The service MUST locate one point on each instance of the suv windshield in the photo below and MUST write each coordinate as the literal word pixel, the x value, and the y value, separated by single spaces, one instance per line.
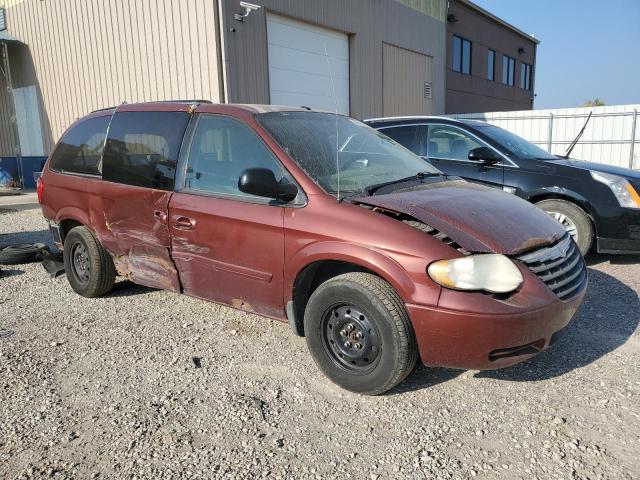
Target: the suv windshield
pixel 319 142
pixel 515 144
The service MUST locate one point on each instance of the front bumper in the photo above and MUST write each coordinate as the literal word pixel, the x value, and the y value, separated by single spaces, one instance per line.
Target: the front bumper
pixel 481 341
pixel 618 229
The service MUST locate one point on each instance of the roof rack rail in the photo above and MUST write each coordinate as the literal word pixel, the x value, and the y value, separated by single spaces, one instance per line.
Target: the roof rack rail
pixel 102 109
pixel 182 100
pixel 157 101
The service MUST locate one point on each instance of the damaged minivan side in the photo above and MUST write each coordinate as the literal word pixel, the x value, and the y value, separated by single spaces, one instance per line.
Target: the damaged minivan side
pixel 317 220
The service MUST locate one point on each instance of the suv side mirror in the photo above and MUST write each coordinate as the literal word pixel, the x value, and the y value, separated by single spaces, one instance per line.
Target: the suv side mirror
pixel 485 155
pixel 262 182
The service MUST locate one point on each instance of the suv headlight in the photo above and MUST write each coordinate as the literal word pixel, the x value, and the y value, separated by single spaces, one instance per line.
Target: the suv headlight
pixel 492 272
pixel 621 188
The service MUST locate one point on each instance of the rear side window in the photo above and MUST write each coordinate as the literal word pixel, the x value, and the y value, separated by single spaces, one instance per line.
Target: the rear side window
pixel 142 148
pixel 80 149
pixel 405 136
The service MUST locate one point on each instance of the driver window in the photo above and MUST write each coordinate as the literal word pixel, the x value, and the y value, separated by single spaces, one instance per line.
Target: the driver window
pixel 449 143
pixel 221 149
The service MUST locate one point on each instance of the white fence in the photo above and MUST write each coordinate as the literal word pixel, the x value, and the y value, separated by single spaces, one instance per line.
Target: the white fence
pixel 612 135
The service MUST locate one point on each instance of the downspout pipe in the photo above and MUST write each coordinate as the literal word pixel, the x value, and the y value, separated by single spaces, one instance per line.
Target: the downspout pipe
pixel 6 69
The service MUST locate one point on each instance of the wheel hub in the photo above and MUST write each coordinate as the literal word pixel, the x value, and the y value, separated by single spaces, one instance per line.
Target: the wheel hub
pixel 350 338
pixel 81 263
pixel 566 222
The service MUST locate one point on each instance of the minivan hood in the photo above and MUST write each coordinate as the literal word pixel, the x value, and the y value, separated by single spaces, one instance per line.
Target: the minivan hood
pixel 478 218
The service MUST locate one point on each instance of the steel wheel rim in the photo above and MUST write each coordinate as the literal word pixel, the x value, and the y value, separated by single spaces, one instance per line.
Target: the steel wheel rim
pixel 567 223
pixel 80 263
pixel 350 339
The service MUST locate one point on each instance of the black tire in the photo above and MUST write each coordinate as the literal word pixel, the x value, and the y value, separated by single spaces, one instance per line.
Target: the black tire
pixel 21 253
pixel 575 215
pixel 88 266
pixel 379 314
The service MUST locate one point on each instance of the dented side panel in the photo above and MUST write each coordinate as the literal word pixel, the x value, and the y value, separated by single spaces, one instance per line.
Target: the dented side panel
pixel 131 224
pixel 232 254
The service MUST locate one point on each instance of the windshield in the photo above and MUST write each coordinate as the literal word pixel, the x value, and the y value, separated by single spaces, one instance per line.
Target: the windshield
pixel 366 157
pixel 515 144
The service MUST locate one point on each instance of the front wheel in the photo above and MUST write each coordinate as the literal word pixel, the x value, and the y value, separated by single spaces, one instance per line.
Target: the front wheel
pixel 359 333
pixel 574 219
pixel 88 265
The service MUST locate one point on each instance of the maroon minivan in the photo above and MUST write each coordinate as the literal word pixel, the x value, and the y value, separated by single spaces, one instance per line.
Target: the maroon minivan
pixel 315 219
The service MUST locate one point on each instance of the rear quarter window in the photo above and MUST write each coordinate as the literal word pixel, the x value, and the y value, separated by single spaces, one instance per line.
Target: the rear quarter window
pixel 142 148
pixel 80 149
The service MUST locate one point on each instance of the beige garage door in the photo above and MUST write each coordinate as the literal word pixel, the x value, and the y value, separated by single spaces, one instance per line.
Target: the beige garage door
pixel 407 82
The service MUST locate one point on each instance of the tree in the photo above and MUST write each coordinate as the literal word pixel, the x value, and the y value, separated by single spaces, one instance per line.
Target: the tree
pixel 596 102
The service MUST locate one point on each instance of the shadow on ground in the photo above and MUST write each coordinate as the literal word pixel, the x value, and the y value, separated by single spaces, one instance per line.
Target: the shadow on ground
pixel 609 315
pixel 125 288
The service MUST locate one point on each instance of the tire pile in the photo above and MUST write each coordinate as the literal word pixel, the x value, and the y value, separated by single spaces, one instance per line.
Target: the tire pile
pixel 22 253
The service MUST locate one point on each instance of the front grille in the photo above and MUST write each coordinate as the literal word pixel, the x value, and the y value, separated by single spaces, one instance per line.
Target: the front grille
pixel 560 266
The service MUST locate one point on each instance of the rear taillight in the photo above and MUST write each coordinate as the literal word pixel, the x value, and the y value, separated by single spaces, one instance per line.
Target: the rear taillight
pixel 40 189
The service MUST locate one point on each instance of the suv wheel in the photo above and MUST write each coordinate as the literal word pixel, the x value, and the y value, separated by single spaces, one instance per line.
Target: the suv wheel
pixel 575 221
pixel 88 265
pixel 359 333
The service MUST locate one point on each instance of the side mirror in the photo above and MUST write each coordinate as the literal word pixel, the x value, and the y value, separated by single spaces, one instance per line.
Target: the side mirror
pixel 262 182
pixel 484 155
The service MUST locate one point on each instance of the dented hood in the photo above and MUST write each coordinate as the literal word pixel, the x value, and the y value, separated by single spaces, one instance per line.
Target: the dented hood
pixel 479 219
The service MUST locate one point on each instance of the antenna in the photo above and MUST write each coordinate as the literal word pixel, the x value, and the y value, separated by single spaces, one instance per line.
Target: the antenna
pixel 335 102
pixel 575 142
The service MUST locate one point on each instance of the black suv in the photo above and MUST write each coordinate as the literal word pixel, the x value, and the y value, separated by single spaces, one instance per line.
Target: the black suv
pixel 595 202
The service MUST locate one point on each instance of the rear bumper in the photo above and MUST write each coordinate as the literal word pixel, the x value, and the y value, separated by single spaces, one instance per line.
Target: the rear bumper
pixel 480 341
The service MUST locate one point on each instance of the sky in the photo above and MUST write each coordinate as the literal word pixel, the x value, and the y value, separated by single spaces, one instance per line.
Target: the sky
pixel 588 48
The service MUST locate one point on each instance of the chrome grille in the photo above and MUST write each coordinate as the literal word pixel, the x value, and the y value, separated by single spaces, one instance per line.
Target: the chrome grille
pixel 560 266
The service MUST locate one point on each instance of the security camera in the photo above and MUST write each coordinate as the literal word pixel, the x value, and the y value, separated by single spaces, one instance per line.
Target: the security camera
pixel 248 8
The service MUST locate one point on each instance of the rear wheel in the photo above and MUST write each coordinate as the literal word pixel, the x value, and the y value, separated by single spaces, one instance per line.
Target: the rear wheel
pixel 88 265
pixel 574 219
pixel 359 333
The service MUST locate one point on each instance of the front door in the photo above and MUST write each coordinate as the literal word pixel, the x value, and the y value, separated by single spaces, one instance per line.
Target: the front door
pixel 228 246
pixel 138 169
pixel 447 148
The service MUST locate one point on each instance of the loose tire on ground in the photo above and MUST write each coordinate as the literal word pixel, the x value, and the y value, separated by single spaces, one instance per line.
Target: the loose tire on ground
pixel 576 216
pixel 373 308
pixel 88 265
pixel 20 253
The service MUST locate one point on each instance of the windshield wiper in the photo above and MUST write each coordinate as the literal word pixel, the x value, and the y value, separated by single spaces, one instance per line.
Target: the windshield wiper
pixel 371 189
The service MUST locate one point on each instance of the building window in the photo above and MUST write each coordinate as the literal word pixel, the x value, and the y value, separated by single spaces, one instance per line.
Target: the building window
pixel 461 55
pixel 525 76
pixel 491 65
pixel 508 70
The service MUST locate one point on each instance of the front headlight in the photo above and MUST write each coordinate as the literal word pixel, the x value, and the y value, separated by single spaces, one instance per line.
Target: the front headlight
pixel 492 273
pixel 621 188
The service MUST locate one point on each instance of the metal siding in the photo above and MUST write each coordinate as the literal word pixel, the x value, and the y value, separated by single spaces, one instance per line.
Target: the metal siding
pixel 405 74
pixel 607 139
pixel 368 23
pixel 89 54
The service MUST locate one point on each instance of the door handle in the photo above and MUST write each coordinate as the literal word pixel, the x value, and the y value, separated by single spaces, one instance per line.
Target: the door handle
pixel 160 216
pixel 183 223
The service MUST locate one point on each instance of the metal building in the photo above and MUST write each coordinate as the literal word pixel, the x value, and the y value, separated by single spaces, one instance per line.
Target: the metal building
pixel 64 58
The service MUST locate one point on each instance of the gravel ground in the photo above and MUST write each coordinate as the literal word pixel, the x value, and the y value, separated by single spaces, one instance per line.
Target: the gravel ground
pixel 108 388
